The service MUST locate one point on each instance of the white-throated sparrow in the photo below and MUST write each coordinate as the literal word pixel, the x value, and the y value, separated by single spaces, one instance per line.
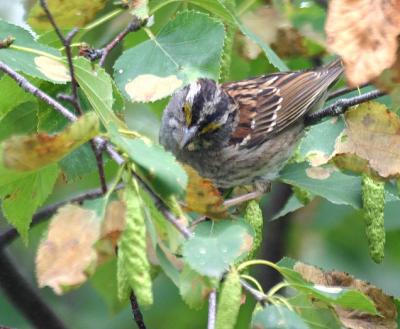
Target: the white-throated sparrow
pixel 236 133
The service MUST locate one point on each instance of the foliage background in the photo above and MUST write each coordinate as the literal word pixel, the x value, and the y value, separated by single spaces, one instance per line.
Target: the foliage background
pixel 322 233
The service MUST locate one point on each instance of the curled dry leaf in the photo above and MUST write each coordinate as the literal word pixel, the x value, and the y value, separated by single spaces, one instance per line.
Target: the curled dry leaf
pixel 30 152
pixel 67 254
pixel 363 33
pixel 149 87
pixel 350 318
pixel 203 197
pixel 370 142
pixel 52 69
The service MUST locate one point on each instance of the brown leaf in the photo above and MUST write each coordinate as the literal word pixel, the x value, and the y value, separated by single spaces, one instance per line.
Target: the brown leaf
pixel 354 319
pixel 30 152
pixel 370 142
pixel 67 254
pixel 363 33
pixel 203 197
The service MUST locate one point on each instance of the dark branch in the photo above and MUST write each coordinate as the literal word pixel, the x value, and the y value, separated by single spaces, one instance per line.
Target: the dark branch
pixel 98 154
pixel 137 314
pixel 340 106
pixel 133 26
pixel 344 91
pixel 25 299
pixel 212 309
pixel 43 214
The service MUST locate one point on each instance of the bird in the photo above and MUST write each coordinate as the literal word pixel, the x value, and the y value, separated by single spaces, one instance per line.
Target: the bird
pixel 243 132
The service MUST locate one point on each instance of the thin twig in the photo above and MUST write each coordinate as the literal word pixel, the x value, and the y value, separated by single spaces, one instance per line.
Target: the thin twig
pixel 24 297
pixel 43 214
pixel 212 309
pixel 344 91
pixel 340 106
pixel 257 295
pixel 133 26
pixel 137 314
pixel 98 154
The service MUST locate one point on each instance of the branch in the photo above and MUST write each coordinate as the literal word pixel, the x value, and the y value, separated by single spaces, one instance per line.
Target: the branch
pixel 340 106
pixel 257 295
pixel 137 314
pixel 9 236
pixel 135 25
pixel 22 295
pixel 212 309
pixel 344 91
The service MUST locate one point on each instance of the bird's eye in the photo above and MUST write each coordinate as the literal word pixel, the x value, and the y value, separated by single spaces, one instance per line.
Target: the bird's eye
pixel 210 127
pixel 188 113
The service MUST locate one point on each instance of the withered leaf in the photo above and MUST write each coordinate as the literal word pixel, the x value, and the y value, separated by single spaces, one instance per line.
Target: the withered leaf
pixel 30 152
pixel 363 33
pixel 370 142
pixel 203 197
pixel 65 257
pixel 350 318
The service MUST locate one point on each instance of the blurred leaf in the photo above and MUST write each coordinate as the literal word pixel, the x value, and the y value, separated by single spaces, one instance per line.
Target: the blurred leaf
pixel 315 315
pixel 22 193
pixel 65 257
pixel 291 205
pixel 187 48
pixel 104 281
pixel 11 95
pixel 158 166
pixel 277 317
pixel 194 288
pixel 30 57
pixel 97 85
pixel 216 245
pixel 202 196
pixel 31 152
pixel 364 34
pixel 332 185
pixel 67 14
pixel 370 141
pixel 168 268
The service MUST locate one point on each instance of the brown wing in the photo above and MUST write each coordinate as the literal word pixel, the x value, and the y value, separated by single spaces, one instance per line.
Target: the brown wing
pixel 270 103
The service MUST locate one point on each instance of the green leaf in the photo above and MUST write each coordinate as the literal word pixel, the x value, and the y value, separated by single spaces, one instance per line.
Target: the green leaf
pixel 277 317
pixel 193 288
pixel 169 270
pixel 97 85
pixel 291 205
pixel 22 194
pixel 11 96
pixel 315 315
pixel 140 8
pixel 217 245
pixel 334 186
pixel 187 48
pixel 30 57
pixel 157 166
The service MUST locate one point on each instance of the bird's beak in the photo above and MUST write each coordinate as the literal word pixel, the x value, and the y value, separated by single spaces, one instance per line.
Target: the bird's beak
pixel 188 135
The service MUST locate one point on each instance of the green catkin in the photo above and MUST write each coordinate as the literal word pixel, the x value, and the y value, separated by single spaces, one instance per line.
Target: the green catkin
pixel 133 265
pixel 229 301
pixel 373 197
pixel 230 31
pixel 253 216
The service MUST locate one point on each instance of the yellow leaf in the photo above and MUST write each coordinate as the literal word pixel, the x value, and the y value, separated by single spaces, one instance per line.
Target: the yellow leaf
pixel 149 87
pixel 52 69
pixel 67 253
pixel 334 281
pixel 31 152
pixel 364 33
pixel 370 142
pixel 203 197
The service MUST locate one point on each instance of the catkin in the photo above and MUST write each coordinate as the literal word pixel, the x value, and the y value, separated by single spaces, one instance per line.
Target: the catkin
pixel 229 301
pixel 253 216
pixel 373 197
pixel 132 257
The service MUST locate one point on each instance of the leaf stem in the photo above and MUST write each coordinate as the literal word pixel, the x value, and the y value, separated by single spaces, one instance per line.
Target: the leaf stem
pixel 212 309
pixel 252 262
